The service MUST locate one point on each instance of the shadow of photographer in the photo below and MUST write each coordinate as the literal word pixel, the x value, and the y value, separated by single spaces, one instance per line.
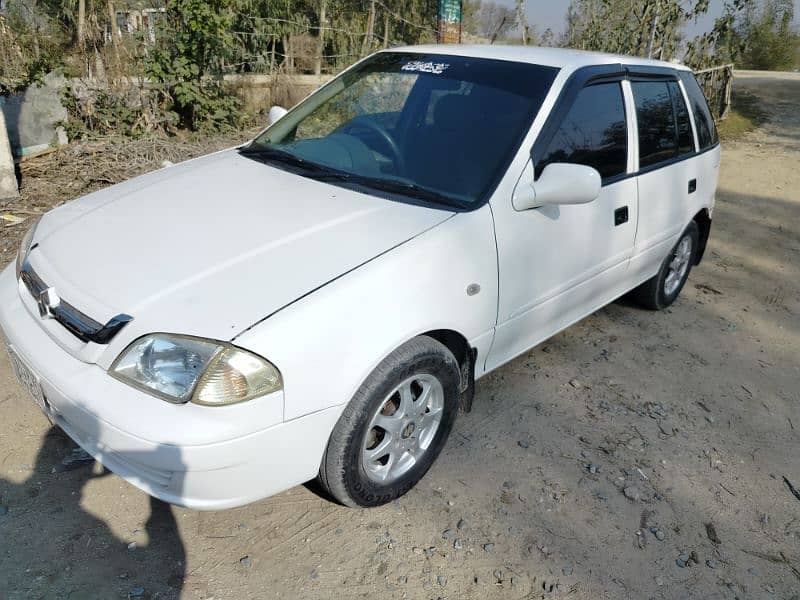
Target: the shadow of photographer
pixel 53 547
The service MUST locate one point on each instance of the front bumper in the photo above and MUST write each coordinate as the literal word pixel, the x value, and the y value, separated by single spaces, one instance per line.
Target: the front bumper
pixel 205 458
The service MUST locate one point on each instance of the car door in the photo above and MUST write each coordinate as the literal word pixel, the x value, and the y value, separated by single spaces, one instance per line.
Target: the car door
pixel 558 263
pixel 667 179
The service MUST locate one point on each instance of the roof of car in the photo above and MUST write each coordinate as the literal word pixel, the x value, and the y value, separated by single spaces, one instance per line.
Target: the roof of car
pixel 565 58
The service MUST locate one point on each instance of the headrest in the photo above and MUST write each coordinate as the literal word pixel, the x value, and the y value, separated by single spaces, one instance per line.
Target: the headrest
pixel 452 112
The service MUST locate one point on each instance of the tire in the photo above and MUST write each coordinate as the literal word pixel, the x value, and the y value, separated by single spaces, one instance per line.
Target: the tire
pixel 420 371
pixel 658 292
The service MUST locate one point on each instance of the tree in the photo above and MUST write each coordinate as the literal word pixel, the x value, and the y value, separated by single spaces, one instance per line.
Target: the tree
pixel 488 19
pixel 77 18
pixel 522 21
pixel 548 38
pixel 720 45
pixel 635 27
pixel 469 12
pixel 317 35
pixel 647 27
pixel 31 45
pixel 194 39
pixel 765 38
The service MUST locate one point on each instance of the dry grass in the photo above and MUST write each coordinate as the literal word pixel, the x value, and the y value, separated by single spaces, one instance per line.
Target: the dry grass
pixel 80 168
pixel 746 115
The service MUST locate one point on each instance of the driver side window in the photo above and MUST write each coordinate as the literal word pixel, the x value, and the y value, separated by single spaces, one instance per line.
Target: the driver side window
pixel 380 94
pixel 593 133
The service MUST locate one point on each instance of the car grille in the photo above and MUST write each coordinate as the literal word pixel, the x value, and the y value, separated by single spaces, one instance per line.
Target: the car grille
pixel 77 323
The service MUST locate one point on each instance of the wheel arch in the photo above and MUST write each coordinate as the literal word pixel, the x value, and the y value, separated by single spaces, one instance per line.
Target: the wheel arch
pixel 466 357
pixel 703 220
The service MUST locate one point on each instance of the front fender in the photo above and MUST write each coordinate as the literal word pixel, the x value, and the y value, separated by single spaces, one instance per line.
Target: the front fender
pixel 325 344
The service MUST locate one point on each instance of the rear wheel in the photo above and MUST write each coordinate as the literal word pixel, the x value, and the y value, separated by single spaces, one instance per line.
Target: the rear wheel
pixel 661 290
pixel 394 427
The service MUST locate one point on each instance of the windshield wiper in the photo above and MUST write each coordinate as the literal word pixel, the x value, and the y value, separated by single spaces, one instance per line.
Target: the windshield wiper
pixel 323 173
pixel 407 189
pixel 266 153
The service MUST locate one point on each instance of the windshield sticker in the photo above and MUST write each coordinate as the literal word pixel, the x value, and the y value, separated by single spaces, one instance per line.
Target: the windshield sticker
pixel 426 67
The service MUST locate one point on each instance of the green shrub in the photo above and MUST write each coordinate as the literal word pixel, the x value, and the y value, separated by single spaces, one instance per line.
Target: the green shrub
pixel 194 39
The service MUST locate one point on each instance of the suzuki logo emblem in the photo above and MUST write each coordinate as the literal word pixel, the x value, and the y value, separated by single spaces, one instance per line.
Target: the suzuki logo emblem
pixel 48 301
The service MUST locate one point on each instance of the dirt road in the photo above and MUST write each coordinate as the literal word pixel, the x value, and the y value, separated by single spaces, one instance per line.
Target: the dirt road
pixel 636 455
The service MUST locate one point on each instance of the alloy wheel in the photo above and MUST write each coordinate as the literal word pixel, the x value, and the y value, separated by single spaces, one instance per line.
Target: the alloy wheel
pixel 403 428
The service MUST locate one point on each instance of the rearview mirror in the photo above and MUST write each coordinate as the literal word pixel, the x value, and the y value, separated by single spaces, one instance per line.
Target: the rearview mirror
pixel 275 113
pixel 559 183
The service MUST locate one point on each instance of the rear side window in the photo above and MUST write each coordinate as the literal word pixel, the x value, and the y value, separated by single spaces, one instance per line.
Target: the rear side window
pixel 685 137
pixel 658 135
pixel 593 133
pixel 706 131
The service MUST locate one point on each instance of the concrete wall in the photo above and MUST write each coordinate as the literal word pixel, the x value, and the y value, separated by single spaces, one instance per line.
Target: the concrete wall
pixel 8 179
pixel 260 92
pixel 32 117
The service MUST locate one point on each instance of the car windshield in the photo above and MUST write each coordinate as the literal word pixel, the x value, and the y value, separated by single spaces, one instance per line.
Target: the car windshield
pixel 433 127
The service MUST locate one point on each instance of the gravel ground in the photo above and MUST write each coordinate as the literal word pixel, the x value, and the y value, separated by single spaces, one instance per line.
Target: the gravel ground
pixel 635 455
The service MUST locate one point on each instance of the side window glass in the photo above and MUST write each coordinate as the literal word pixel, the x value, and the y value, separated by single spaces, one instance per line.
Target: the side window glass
pixel 706 131
pixel 658 137
pixel 593 132
pixel 685 137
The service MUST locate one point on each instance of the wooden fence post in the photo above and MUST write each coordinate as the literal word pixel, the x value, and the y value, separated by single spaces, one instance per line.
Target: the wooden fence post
pixel 718 92
pixel 726 103
pixel 8 179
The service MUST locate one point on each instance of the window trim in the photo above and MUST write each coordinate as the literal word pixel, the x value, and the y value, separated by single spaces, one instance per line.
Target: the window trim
pixel 625 118
pixel 586 76
pixel 672 161
pixel 633 127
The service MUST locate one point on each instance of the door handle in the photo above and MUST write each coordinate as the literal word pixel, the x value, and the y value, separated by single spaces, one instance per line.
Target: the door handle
pixel 692 186
pixel 620 216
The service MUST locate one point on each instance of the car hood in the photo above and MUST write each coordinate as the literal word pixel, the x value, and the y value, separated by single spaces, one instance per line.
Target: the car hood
pixel 213 245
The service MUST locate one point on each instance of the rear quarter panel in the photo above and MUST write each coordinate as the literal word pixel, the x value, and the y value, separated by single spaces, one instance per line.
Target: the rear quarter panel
pixel 666 208
pixel 708 179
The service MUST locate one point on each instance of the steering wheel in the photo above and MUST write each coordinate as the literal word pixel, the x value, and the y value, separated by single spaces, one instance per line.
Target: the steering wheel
pixel 366 122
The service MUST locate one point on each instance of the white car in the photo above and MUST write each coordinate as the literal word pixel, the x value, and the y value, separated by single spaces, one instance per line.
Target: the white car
pixel 320 301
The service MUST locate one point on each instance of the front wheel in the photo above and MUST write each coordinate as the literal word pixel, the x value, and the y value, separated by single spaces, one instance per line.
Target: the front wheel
pixel 661 290
pixel 394 427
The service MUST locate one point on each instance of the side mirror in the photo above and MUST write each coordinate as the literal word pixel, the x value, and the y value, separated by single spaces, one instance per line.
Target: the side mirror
pixel 559 183
pixel 275 113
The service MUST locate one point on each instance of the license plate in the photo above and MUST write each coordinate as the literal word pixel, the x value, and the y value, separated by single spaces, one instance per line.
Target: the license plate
pixel 28 379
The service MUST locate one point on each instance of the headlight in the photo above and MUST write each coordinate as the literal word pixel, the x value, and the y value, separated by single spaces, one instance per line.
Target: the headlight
pixel 25 246
pixel 181 369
